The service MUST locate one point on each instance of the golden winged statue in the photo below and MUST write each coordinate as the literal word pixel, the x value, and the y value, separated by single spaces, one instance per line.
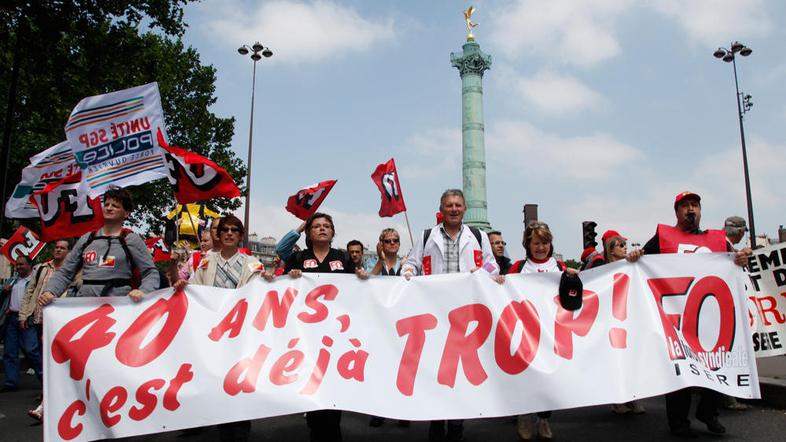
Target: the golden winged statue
pixel 468 18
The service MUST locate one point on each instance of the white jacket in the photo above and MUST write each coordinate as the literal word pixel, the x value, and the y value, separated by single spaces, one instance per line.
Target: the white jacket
pixel 205 274
pixel 470 253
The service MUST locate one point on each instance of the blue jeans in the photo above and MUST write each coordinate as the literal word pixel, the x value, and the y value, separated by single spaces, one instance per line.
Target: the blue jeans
pixel 16 338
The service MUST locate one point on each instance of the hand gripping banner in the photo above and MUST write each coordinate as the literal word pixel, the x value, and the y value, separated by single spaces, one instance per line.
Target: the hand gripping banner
pixel 436 347
pixel 113 137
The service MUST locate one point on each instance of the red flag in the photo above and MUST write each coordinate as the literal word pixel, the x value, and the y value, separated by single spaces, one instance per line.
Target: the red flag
pixel 158 249
pixel 306 201
pixel 385 177
pixel 194 177
pixel 66 210
pixel 23 242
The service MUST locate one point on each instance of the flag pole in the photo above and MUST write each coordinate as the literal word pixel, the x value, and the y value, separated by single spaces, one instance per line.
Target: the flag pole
pixel 410 229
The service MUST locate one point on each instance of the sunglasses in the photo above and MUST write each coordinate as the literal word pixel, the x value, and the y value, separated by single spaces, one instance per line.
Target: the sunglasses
pixel 499 242
pixel 391 241
pixel 230 229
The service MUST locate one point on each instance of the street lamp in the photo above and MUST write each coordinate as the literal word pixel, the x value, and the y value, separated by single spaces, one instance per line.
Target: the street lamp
pixel 744 104
pixel 255 50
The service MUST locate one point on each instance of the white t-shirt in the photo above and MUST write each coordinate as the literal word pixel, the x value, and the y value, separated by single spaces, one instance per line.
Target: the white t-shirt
pixel 550 265
pixel 17 293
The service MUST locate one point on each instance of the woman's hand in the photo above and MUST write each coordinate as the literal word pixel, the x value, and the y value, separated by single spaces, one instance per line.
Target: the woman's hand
pixel 136 295
pixel 295 273
pixel 572 272
pixel 634 255
pixel 180 284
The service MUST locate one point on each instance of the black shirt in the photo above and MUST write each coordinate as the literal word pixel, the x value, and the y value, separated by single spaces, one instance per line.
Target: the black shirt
pixel 336 261
pixel 504 264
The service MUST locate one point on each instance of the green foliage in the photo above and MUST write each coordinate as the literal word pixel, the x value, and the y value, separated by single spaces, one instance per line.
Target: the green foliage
pixel 69 50
pixel 572 263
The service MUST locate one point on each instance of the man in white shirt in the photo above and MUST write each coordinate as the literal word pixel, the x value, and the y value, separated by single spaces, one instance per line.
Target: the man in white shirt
pixel 16 336
pixel 450 247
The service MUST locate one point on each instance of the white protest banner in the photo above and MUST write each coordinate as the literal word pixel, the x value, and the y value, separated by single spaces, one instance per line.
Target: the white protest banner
pixel 113 137
pixel 767 299
pixel 435 347
pixel 46 167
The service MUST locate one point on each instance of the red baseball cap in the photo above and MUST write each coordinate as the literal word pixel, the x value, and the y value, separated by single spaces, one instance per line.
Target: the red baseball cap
pixel 609 233
pixel 686 194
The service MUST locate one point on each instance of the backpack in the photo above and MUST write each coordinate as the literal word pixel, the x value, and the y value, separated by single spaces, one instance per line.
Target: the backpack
pixel 475 231
pixel 136 276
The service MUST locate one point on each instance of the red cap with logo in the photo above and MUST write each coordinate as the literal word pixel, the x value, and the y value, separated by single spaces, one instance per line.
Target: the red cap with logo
pixel 686 194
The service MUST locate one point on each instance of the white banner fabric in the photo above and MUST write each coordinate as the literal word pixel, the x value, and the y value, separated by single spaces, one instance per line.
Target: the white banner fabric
pixel 435 347
pixel 46 167
pixel 767 299
pixel 113 137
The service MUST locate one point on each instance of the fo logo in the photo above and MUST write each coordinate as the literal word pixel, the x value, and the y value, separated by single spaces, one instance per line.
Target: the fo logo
pixel 90 257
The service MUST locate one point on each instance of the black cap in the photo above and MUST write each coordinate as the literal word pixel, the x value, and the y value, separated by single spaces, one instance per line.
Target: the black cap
pixel 571 291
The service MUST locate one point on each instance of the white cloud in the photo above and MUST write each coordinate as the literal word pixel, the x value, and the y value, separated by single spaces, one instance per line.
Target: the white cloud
pixel 766 162
pixel 275 221
pixel 557 93
pixel 298 31
pixel 436 152
pixel 576 32
pixel 531 151
pixel 711 22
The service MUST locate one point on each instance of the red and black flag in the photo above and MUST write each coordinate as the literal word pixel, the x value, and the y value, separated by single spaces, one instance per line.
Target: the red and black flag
pixel 306 201
pixel 385 177
pixel 194 177
pixel 66 210
pixel 23 242
pixel 158 249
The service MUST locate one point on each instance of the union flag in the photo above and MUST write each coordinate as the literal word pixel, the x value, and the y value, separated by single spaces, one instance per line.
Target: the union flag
pixel 385 177
pixel 306 201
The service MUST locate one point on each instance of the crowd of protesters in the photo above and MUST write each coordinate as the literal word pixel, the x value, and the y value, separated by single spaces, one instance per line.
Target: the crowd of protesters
pixel 114 261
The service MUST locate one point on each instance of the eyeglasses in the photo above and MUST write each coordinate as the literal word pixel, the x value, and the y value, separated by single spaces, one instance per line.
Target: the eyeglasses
pixel 391 241
pixel 230 229
pixel 496 243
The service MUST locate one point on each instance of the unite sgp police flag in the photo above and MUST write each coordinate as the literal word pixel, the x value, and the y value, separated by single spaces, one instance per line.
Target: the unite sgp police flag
pixel 306 201
pixel 66 209
pixel 194 177
pixel 385 176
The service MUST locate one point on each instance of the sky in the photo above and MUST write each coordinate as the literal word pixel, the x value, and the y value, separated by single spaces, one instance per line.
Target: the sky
pixel 597 110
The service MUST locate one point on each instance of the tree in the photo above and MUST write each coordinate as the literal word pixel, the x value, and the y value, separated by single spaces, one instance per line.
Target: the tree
pixel 63 51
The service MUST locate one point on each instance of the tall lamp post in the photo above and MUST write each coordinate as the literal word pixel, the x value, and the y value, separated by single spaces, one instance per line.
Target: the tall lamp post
pixel 744 104
pixel 256 49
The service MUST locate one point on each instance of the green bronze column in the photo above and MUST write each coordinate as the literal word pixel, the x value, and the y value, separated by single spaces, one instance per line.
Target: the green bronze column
pixel 471 64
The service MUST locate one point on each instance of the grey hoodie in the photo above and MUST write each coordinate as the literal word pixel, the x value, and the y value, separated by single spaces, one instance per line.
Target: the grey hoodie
pixel 115 266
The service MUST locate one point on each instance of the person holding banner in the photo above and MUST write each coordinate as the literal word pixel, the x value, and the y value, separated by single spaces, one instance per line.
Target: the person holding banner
pixel 687 237
pixel 538 245
pixel 114 260
pixel 320 257
pixel 615 248
pixel 387 251
pixel 451 247
pixel 229 269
